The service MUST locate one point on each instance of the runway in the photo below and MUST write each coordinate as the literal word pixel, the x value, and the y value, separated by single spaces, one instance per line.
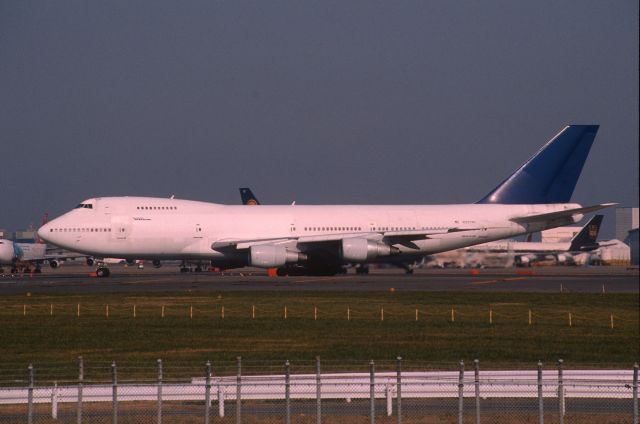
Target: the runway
pixel 76 279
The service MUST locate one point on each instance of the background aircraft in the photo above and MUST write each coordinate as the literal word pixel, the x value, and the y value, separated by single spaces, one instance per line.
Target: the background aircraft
pixel 505 253
pixel 27 257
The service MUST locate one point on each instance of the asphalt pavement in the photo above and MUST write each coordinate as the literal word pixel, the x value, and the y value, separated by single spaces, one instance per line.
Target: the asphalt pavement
pixel 77 279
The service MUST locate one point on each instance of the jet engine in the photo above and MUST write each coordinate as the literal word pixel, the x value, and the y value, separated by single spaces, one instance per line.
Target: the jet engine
pixel 524 260
pixel 54 263
pixel 7 252
pixel 361 250
pixel 269 256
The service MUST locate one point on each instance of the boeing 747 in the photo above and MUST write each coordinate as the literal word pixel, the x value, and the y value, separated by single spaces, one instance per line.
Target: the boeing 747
pixel 319 239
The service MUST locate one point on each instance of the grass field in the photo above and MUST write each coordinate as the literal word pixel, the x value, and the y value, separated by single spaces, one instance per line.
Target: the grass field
pixel 342 328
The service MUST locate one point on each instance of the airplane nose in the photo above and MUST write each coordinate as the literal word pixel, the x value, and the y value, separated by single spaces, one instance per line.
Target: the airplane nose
pixel 44 232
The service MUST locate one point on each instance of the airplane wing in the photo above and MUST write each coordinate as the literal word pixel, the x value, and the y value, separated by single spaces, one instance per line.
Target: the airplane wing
pixel 527 219
pixel 389 237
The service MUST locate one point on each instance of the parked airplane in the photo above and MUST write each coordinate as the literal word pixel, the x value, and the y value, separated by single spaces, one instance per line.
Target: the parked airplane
pixel 24 256
pixel 321 238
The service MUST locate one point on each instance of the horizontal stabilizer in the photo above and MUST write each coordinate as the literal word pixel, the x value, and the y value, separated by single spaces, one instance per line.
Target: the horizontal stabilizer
pixel 560 214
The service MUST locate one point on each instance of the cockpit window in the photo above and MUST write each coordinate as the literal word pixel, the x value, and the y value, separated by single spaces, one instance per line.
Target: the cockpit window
pixel 84 205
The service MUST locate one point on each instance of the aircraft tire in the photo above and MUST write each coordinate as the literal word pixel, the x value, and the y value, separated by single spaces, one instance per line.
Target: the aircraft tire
pixel 103 272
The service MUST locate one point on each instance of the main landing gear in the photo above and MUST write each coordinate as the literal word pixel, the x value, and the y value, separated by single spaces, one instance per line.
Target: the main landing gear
pixel 184 267
pixel 102 270
pixel 362 269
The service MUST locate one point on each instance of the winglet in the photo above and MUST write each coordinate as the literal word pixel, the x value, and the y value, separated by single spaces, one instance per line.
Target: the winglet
pixel 549 176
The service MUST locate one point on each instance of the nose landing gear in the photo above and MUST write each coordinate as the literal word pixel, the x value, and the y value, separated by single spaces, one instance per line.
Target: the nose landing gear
pixel 102 270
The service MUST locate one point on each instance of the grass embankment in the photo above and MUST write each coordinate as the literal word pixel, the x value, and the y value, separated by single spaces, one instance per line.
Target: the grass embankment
pixel 47 331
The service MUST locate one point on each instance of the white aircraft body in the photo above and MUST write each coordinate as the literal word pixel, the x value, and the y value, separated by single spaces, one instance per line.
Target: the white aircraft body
pixel 22 256
pixel 321 238
pixel 12 252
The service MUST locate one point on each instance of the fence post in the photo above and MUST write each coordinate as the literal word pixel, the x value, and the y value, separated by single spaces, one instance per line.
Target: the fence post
pixel 635 393
pixel 461 392
pixel 561 408
pixel 207 392
pixel 287 392
pixel 318 392
pixel 239 391
pixel 80 384
pixel 159 391
pixel 372 392
pixel 476 366
pixel 54 401
pixel 399 387
pixel 220 399
pixel 30 395
pixel 114 392
pixel 389 399
pixel 540 397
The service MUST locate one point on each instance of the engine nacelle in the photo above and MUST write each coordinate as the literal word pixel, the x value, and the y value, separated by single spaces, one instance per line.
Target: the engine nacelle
pixel 362 250
pixel 90 261
pixel 268 256
pixel 7 252
pixel 54 263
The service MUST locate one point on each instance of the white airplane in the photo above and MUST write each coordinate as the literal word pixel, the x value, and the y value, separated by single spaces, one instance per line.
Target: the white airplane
pixel 23 256
pixel 319 239
pixel 20 255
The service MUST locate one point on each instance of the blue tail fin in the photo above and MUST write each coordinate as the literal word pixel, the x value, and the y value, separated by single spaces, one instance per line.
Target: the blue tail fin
pixel 247 196
pixel 586 239
pixel 550 176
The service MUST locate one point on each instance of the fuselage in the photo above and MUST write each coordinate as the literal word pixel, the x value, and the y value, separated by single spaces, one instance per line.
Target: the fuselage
pixel 12 252
pixel 160 228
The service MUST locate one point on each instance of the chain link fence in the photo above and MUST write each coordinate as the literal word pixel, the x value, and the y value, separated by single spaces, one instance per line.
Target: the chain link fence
pixel 384 392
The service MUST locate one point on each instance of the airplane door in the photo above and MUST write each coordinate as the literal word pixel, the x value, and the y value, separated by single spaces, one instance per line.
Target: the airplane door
pixel 120 227
pixel 197 231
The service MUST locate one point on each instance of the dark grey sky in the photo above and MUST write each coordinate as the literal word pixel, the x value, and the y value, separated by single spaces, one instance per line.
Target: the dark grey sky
pixel 313 101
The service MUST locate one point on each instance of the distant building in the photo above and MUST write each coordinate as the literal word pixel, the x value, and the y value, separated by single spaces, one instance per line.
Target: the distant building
pixel 626 220
pixel 618 254
pixel 632 241
pixel 25 236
